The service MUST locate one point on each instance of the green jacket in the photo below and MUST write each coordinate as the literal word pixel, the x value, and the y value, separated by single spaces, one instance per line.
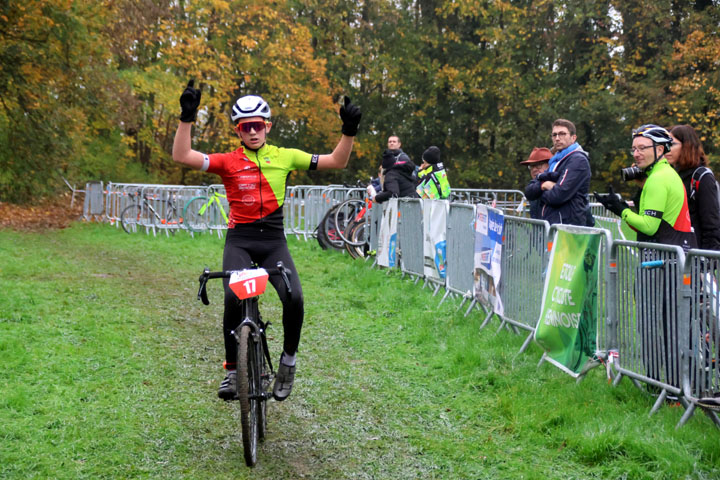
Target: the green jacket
pixel 433 182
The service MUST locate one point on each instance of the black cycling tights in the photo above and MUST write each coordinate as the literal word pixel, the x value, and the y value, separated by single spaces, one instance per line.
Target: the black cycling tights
pixel 265 248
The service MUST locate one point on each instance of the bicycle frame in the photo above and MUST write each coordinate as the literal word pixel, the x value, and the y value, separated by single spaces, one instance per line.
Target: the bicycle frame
pixel 215 197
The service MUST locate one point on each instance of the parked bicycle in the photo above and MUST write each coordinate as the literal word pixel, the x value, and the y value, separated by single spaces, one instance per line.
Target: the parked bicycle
pixel 254 368
pixel 202 212
pixel 353 225
pixel 143 213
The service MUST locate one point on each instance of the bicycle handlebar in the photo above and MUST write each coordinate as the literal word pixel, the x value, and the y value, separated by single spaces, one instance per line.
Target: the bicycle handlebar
pixel 281 270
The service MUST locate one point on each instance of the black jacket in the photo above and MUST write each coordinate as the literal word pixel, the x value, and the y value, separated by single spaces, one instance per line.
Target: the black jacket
pixel 533 192
pixel 398 181
pixel 704 210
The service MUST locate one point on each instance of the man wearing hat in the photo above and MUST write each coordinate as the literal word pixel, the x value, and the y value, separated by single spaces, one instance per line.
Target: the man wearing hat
pixel 537 162
pixel 433 182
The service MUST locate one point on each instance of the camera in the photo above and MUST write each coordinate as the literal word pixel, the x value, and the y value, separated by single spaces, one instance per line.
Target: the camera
pixel 632 173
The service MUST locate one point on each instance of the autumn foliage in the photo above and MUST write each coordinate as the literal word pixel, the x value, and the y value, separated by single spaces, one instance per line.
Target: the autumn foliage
pixel 89 90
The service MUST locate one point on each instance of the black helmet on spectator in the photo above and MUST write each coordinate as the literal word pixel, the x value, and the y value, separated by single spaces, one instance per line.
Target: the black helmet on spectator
pixel 432 155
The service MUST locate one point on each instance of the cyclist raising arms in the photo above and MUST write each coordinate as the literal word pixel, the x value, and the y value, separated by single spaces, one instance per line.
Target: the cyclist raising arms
pixel 255 177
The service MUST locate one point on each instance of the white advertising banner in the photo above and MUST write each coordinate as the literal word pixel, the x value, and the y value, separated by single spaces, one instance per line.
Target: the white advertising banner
pixel 435 214
pixel 387 237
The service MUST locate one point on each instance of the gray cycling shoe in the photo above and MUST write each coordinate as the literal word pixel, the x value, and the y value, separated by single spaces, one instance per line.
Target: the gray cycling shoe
pixel 228 387
pixel 283 381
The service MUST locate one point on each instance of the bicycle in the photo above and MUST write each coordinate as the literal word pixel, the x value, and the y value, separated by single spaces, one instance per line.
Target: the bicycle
pixel 254 368
pixel 142 213
pixel 201 213
pixel 353 225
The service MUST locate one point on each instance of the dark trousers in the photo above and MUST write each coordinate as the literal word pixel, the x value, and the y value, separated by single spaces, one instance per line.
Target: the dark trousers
pixel 265 247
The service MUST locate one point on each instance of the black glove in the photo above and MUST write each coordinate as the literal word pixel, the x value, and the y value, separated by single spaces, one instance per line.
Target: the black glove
pixel 350 115
pixel 612 201
pixel 189 102
pixel 548 176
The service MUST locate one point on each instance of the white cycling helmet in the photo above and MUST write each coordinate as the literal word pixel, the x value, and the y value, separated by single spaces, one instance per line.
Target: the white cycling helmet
pixel 658 135
pixel 250 106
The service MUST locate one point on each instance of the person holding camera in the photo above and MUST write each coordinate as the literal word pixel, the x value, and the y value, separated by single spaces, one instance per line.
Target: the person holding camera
pixel 663 215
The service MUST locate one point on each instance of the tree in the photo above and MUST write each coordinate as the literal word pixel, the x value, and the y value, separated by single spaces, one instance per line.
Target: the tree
pixel 54 92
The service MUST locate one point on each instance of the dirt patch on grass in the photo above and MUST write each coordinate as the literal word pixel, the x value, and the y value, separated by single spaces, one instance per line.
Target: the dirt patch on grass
pixel 50 214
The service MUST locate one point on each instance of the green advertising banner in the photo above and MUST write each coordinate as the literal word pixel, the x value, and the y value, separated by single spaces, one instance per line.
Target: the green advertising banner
pixel 567 328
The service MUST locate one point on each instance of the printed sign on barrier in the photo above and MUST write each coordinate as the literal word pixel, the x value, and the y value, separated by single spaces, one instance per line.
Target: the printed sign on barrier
pixel 567 328
pixel 489 224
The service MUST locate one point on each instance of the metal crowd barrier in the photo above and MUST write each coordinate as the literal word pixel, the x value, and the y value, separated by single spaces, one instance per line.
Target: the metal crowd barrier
pixel 460 251
pixel 700 340
pixel 646 281
pixel 509 201
pixel 376 213
pixel 94 203
pixel 161 206
pixel 410 237
pixel 524 261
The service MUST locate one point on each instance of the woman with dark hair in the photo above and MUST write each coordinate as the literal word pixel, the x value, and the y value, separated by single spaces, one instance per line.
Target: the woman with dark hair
pixel 688 157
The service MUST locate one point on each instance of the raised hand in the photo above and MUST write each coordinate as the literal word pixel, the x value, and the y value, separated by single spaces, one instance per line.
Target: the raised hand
pixel 189 102
pixel 350 115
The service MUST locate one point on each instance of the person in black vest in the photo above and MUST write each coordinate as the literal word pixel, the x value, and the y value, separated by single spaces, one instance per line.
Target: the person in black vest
pixel 397 174
pixel 393 144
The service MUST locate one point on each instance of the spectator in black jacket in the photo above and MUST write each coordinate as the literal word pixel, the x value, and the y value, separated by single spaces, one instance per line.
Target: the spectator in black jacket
pixel 537 163
pixel 687 156
pixel 398 180
pixel 566 182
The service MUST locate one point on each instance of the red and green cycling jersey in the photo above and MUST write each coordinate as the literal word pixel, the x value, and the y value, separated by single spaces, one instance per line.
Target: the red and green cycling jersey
pixel 663 215
pixel 255 181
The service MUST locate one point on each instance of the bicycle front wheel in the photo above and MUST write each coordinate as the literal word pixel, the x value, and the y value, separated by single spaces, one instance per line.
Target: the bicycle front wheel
pixel 130 218
pixel 357 233
pixel 249 394
pixel 196 214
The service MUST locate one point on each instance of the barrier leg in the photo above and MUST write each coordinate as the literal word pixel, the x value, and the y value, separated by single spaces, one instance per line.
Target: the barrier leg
pixel 526 344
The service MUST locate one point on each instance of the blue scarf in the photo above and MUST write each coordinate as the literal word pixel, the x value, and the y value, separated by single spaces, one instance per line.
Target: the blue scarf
pixel 562 154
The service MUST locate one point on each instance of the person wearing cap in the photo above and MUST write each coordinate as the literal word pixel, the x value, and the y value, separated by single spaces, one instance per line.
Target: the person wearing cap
pixel 432 177
pixel 397 177
pixel 537 163
pixel 566 182
pixel 255 178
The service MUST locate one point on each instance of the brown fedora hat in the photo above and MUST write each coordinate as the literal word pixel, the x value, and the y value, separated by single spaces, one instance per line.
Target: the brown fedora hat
pixel 538 155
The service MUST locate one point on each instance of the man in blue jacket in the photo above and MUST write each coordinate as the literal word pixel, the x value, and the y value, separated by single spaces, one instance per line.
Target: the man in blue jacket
pixel 566 183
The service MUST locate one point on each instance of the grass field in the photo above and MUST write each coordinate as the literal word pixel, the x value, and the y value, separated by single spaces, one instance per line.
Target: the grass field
pixel 109 368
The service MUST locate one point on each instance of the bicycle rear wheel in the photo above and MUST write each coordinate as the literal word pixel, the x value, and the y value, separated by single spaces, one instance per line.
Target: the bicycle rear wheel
pixel 130 218
pixel 327 231
pixel 196 214
pixel 249 394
